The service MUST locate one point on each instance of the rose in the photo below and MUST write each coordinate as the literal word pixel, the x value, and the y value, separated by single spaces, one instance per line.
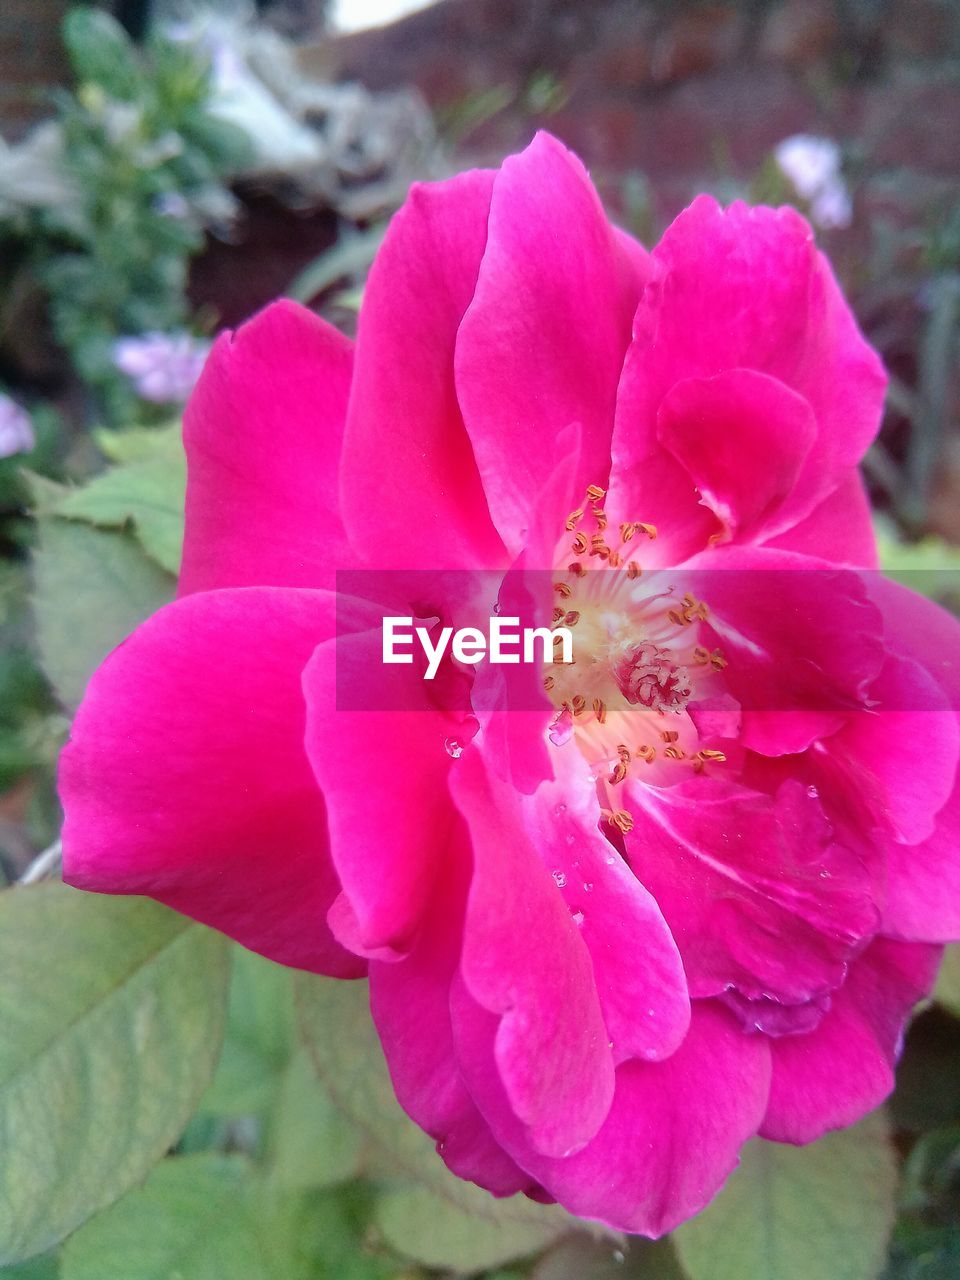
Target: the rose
pixel 688 893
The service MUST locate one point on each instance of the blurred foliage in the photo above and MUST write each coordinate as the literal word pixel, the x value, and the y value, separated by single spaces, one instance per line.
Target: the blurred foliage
pixel 142 156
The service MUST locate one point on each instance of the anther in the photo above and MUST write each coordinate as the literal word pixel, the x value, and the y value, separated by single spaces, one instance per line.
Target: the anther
pixel 573 518
pixel 571 619
pixel 600 709
pixel 563 589
pixel 649 529
pixel 595 493
pixel 580 544
pixel 633 570
pixel 646 753
pixel 618 775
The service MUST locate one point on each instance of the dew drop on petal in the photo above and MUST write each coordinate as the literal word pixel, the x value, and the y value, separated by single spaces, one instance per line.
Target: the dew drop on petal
pixel 578 917
pixel 453 748
pixel 812 792
pixel 560 878
pixel 560 810
pixel 588 886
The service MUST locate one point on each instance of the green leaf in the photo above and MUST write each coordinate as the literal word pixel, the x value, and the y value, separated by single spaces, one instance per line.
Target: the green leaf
pixel 947 990
pixel 148 492
pixel 441 1221
pixel 312 1143
pixel 262 1071
pixel 101 52
pixel 335 1232
pixel 197 1218
pixel 476 1232
pixel 45 1268
pixel 111 1017
pixel 258 1039
pixel 580 1258
pixel 821 1212
pixel 92 587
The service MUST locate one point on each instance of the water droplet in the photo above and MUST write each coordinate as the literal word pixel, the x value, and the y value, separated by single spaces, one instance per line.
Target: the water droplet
pixel 578 917
pixel 496 608
pixel 560 878
pixel 651 1013
pixel 570 838
pixel 812 792
pixel 619 1256
pixel 824 875
pixel 588 886
pixel 611 860
pixel 453 748
pixel 560 810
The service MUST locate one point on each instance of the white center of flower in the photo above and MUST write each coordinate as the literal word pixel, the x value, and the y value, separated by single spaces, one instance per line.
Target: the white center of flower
pixel 638 660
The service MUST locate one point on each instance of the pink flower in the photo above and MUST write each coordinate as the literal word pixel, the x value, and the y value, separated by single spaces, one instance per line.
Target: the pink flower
pixel 164 367
pixel 813 167
pixel 689 893
pixel 16 428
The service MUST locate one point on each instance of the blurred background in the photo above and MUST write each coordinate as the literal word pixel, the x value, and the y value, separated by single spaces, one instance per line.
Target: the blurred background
pixel 168 167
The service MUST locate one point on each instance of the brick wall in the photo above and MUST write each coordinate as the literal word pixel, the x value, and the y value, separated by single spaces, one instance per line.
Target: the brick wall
pixel 685 90
pixel 31 60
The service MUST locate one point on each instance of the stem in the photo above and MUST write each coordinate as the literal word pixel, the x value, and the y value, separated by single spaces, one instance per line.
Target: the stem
pixel 45 866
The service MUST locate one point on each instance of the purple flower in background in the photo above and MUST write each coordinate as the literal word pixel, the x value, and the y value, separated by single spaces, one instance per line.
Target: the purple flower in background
pixel 173 205
pixel 163 366
pixel 16 429
pixel 812 165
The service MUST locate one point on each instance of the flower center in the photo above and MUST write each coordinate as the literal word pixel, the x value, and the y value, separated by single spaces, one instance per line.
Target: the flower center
pixel 637 660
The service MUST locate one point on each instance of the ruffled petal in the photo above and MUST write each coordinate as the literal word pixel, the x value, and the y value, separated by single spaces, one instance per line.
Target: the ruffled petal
pixel 742 288
pixel 262 432
pixel 636 964
pixel 802 641
pixel 525 962
pixel 380 752
pixel 755 888
pixel 411 494
pixel 412 994
pixel 840 529
pixel 186 779
pixel 742 437
pixel 673 1134
pixel 543 341
pixel 901 754
pixel 836 1074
